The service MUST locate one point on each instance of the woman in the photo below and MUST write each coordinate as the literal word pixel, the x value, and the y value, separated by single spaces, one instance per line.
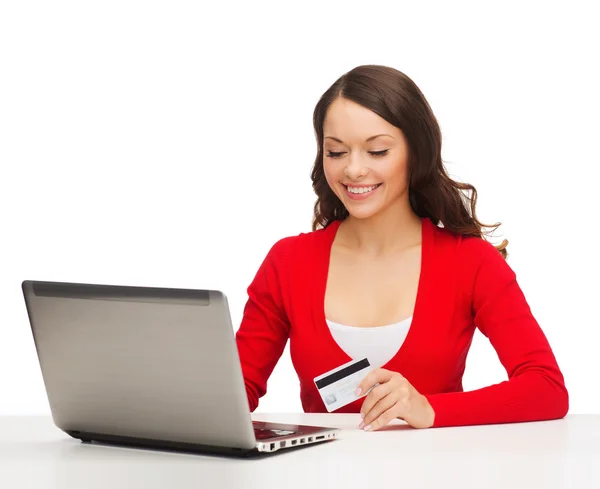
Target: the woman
pixel 396 269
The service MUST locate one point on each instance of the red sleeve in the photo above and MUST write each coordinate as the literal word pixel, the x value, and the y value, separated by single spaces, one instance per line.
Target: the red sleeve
pixel 535 388
pixel 264 329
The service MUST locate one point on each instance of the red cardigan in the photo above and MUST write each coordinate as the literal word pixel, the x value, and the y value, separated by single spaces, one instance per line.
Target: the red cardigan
pixel 464 283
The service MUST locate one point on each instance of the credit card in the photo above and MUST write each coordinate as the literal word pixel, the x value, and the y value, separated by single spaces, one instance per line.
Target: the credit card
pixel 337 387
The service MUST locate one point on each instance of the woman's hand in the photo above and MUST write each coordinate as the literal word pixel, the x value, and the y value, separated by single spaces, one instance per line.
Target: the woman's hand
pixel 394 397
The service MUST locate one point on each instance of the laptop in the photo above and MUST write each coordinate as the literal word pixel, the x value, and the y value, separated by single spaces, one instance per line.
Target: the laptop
pixel 149 367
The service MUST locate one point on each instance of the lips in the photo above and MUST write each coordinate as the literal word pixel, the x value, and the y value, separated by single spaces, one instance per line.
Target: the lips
pixel 361 195
pixel 362 188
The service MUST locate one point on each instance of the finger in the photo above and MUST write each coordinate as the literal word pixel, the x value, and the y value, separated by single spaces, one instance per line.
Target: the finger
pixel 383 419
pixel 383 405
pixel 373 398
pixel 379 375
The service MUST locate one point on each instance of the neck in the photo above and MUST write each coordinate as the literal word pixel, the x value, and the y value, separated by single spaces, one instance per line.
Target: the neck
pixel 395 229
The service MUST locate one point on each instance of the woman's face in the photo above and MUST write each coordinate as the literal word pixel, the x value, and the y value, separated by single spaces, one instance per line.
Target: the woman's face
pixel 367 173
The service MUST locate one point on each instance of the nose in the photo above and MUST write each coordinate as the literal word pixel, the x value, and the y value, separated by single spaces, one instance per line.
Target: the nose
pixel 355 169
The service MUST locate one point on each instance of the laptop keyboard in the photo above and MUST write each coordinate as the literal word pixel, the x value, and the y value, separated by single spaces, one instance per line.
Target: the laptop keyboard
pixel 262 434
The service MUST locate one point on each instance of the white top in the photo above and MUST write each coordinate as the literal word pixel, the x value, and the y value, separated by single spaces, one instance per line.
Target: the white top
pixel 379 344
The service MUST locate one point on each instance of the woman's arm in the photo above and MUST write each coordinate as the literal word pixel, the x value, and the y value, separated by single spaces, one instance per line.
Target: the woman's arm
pixel 535 389
pixel 264 328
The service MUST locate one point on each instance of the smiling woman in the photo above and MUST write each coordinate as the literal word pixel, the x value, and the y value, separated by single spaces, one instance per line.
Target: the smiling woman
pixel 396 271
pixel 372 171
pixel 406 137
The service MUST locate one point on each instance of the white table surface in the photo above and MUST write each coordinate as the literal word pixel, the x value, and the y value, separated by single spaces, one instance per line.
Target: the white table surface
pixel 554 454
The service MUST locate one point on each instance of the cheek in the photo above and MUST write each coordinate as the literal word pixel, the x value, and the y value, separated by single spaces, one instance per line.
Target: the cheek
pixel 330 174
pixel 399 175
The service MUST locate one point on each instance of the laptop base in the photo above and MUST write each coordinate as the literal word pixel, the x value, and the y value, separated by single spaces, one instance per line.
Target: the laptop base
pixel 147 443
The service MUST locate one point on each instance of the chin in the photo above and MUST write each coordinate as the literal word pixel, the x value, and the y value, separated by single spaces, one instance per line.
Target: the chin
pixel 361 213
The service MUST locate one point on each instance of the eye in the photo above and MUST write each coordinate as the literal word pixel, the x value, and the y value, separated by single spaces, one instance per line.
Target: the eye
pixel 333 154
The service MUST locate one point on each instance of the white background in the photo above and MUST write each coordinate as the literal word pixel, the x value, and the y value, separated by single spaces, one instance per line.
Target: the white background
pixel 170 144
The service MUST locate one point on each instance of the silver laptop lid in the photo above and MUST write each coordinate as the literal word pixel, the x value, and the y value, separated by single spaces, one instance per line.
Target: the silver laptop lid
pixel 141 362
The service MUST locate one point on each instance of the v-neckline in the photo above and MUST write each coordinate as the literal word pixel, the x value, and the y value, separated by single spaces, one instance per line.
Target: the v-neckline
pixel 417 316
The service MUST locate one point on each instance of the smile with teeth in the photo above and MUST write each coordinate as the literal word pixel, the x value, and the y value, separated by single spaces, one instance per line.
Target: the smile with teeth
pixel 361 190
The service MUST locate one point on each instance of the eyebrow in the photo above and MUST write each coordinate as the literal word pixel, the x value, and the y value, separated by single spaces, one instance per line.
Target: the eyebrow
pixel 366 140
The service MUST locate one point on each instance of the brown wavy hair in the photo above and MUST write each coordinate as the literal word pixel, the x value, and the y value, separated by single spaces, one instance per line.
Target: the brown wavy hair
pixel 432 193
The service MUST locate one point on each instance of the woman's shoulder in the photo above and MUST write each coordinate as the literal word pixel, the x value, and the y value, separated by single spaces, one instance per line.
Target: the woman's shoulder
pixel 302 245
pixel 474 261
pixel 466 257
pixel 468 247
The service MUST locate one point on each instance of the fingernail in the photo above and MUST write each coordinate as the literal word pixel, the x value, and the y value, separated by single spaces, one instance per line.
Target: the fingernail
pixel 360 426
pixel 367 428
pixel 362 415
pixel 358 391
